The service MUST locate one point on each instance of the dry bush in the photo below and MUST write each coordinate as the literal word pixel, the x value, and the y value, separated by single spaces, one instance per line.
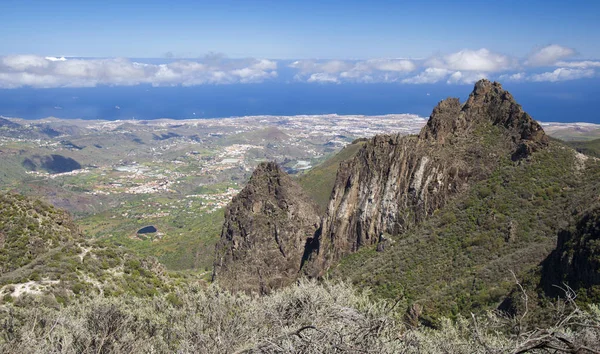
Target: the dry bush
pixel 305 318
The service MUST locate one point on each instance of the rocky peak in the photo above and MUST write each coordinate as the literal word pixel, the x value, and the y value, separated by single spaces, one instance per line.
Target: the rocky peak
pixel 392 184
pixel 395 182
pixel 266 229
pixel 442 122
pixel 488 103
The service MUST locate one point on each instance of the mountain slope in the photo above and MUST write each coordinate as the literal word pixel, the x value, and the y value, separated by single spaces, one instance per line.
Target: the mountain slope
pixel 461 257
pixel 265 231
pixel 396 182
pixel 444 218
pixel 591 147
pixel 318 182
pixel 43 253
pixel 576 259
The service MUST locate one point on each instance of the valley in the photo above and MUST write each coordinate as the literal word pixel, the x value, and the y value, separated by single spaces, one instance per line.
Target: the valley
pixel 177 175
pixel 348 223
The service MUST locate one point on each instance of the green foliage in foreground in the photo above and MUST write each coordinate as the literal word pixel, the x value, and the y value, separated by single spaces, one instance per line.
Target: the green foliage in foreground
pixel 304 318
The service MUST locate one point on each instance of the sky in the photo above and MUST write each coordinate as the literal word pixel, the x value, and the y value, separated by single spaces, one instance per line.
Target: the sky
pixel 87 44
pixel 309 29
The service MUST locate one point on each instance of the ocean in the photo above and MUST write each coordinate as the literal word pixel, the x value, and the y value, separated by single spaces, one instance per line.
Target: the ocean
pixel 569 101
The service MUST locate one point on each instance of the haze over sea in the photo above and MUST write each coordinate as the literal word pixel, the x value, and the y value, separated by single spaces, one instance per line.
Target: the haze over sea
pixel 569 101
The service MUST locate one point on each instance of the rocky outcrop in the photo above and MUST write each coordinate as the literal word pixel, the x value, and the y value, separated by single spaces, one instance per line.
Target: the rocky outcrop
pixel 266 228
pixel 576 259
pixel 395 182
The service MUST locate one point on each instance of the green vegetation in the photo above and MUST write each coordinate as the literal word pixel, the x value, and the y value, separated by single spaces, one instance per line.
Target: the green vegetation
pixel 460 259
pixel 29 229
pixel 43 253
pixel 318 182
pixel 186 234
pixel 590 147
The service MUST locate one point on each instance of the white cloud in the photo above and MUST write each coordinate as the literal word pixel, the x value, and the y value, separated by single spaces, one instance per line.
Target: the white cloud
pixel 562 74
pixel 465 77
pixel 461 67
pixel 56 58
pixel 37 71
pixel 323 78
pixel 329 67
pixel 559 74
pixel 24 62
pixel 428 76
pixel 481 60
pixel 549 55
pixel 394 65
pixel 579 64
pixel 465 66
pixel 514 77
pixel 373 70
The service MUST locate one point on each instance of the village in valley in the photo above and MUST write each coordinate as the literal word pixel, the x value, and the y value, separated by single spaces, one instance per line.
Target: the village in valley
pixel 176 177
pixel 117 177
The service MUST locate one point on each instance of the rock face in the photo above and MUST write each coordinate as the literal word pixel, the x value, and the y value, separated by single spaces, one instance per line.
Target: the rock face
pixel 266 229
pixel 396 181
pixel 576 259
pixel 392 184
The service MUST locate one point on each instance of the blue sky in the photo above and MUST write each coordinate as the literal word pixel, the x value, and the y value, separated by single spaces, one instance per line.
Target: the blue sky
pixel 295 29
pixel 51 44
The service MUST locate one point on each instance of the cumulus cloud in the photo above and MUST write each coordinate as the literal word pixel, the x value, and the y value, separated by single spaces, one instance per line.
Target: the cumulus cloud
pixel 481 60
pixel 559 74
pixel 323 78
pixel 373 70
pixel 579 64
pixel 514 77
pixel 465 66
pixel 562 74
pixel 428 76
pixel 392 65
pixel 549 55
pixel 465 77
pixel 43 72
pixel 462 67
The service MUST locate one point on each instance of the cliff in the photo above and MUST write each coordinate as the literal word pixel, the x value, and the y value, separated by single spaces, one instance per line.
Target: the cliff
pixel 395 182
pixel 265 232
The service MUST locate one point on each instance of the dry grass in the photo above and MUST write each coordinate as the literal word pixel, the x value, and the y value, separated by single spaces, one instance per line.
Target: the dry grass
pixel 304 318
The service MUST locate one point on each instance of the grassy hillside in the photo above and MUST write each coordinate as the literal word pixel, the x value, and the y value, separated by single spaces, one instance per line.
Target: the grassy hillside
pixel 28 229
pixel 590 147
pixel 185 239
pixel 43 253
pixel 460 259
pixel 318 182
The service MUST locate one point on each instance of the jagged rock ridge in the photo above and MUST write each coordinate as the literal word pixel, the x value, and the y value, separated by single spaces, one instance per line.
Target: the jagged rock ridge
pixel 392 184
pixel 265 232
pixel 396 181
